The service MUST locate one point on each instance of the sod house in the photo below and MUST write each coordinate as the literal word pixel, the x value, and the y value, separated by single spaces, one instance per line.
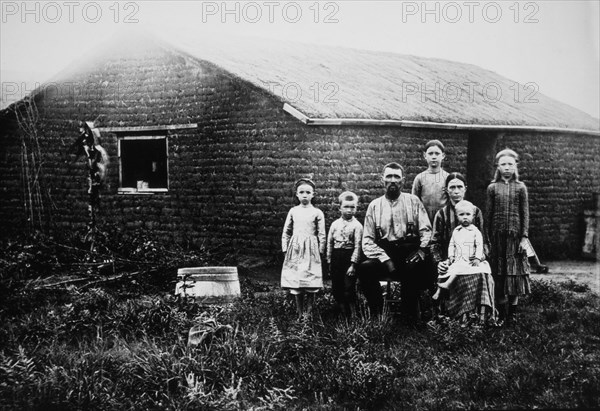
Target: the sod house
pixel 206 137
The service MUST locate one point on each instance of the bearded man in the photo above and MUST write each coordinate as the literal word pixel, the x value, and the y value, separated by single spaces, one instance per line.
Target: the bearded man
pixel 395 239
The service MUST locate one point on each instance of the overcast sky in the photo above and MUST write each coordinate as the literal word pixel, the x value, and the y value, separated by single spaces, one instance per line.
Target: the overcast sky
pixel 552 44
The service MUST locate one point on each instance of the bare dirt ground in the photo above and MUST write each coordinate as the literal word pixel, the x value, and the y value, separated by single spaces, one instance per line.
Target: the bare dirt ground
pixel 583 271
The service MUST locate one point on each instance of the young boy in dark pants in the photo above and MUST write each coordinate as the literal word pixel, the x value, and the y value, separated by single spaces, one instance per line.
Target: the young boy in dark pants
pixel 344 253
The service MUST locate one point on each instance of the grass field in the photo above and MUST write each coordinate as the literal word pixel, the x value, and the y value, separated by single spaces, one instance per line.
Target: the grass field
pixel 124 346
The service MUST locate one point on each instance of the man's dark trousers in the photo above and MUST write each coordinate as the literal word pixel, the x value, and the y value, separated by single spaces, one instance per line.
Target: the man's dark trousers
pixel 410 276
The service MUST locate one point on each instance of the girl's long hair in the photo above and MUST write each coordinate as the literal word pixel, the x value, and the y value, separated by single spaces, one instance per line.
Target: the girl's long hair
pixel 510 153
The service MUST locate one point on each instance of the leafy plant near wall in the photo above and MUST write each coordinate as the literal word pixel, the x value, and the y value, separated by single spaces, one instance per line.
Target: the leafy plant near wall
pixel 37 199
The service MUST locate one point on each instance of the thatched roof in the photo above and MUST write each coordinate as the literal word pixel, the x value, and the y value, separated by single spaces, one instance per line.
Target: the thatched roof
pixel 337 82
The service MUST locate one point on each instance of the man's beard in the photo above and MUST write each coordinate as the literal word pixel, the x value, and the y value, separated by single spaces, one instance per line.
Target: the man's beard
pixel 393 191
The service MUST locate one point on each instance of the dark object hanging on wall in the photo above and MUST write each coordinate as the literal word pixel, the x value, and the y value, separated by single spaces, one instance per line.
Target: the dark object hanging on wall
pixel 88 145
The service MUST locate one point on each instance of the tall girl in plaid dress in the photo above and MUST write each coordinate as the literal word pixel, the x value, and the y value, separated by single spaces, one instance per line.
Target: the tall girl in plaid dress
pixel 303 242
pixel 507 224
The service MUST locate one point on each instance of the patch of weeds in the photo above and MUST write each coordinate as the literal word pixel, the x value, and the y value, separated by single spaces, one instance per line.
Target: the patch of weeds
pixel 456 335
pixel 575 287
pixel 359 379
pixel 546 293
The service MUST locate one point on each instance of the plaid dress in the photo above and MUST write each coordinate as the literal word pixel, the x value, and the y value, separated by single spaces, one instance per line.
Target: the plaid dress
pixel 468 292
pixel 507 221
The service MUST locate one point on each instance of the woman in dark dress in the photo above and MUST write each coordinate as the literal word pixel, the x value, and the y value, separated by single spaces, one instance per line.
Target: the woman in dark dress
pixel 473 293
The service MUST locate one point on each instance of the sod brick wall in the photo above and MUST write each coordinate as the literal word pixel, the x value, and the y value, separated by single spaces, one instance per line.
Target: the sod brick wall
pixel 231 179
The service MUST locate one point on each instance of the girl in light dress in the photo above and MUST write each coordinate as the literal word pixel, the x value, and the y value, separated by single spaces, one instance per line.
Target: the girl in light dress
pixel 303 242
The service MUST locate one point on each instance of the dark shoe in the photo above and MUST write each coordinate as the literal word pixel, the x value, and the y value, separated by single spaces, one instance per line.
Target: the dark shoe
pixel 501 311
pixel 542 269
pixel 502 314
pixel 511 318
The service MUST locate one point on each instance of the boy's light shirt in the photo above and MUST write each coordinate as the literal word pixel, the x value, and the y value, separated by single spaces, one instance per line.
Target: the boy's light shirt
pixel 345 234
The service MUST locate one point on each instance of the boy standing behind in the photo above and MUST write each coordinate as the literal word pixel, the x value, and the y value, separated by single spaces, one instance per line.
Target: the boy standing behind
pixel 344 253
pixel 429 185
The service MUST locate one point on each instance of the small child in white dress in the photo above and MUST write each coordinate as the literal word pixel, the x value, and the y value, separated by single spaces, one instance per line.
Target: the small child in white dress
pixel 465 251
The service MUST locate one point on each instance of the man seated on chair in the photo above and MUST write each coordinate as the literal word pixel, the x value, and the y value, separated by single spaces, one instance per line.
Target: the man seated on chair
pixel 395 239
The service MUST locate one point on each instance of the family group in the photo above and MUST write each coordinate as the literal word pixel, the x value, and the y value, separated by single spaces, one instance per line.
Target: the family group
pixel 431 239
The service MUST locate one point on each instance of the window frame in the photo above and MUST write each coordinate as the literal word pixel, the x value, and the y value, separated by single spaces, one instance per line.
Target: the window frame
pixel 135 190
